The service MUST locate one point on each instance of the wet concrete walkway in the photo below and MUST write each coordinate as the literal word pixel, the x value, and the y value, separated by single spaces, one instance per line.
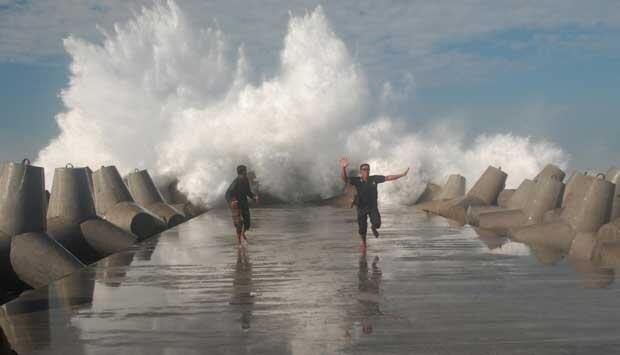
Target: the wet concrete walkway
pixel 303 287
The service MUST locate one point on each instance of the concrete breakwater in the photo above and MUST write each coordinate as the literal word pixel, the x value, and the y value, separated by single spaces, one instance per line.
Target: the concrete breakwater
pixel 86 217
pixel 579 218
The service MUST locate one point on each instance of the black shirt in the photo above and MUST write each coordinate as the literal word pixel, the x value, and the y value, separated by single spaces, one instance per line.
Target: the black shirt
pixel 367 190
pixel 239 190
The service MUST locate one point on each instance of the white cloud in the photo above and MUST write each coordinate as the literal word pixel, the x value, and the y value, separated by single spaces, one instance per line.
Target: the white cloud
pixel 390 38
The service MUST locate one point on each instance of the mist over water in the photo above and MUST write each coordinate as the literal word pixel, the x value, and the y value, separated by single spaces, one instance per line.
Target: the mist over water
pixel 161 94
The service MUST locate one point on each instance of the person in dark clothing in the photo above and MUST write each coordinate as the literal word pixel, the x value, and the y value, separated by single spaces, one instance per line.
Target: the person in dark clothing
pixel 366 199
pixel 237 198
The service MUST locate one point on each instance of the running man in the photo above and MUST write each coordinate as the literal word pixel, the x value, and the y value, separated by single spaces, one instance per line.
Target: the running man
pixel 366 199
pixel 237 198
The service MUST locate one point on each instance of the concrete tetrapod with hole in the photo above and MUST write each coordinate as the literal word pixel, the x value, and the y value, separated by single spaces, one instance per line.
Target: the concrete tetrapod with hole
pixel 507 212
pixel 144 191
pixel 73 222
pixel 484 193
pixel 517 201
pixel 114 203
pixel 606 254
pixel 544 196
pixel 527 205
pixel 550 171
pixel 589 214
pixel 613 175
pixel 23 198
pixel 434 196
pixel 575 188
pixel 611 230
pixel 589 246
pixel 454 188
pixel 504 197
pixel 579 216
pixel 35 257
pixel 430 193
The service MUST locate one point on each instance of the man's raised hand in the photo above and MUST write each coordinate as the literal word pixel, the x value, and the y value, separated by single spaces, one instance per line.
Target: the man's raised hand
pixel 344 162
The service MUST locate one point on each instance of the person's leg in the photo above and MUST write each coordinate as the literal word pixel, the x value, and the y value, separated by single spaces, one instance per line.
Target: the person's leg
pixel 238 223
pixel 362 224
pixel 246 221
pixel 375 221
pixel 363 246
pixel 239 236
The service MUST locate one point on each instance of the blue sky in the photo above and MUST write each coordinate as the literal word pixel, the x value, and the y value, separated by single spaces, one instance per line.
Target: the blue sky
pixel 549 69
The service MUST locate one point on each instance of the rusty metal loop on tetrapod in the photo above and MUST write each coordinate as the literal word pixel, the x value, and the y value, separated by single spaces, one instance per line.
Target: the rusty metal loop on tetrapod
pixel 69 166
pixel 26 161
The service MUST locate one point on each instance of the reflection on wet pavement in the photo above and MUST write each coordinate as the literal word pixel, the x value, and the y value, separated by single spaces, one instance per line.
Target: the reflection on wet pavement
pixel 302 287
pixel 243 294
pixel 368 299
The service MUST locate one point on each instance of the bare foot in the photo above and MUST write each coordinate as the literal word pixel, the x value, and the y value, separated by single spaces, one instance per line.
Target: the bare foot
pixel 363 247
pixel 244 236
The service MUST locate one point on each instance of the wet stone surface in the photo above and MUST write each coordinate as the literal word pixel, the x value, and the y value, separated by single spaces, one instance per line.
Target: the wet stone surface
pixel 303 287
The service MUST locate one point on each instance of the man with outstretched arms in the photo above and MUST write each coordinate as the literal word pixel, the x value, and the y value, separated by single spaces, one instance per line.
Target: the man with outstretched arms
pixel 366 199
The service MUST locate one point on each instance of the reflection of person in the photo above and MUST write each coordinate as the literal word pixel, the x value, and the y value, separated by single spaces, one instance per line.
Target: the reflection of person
pixel 242 288
pixel 237 198
pixel 369 286
pixel 366 200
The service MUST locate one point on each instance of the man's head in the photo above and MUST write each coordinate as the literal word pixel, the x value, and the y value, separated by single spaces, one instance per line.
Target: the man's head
pixel 364 170
pixel 242 170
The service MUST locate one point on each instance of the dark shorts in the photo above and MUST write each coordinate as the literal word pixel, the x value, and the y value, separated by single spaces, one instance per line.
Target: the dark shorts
pixel 363 213
pixel 241 218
